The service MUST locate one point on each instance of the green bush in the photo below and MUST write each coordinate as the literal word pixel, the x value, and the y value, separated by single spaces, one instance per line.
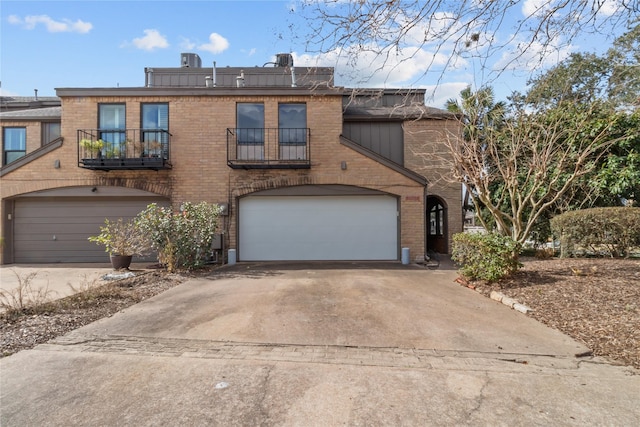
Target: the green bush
pixel 183 239
pixel 613 231
pixel 488 257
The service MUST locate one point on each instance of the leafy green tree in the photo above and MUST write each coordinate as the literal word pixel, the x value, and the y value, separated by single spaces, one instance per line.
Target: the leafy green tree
pixel 613 77
pixel 613 81
pixel 617 176
pixel 582 77
pixel 477 110
pixel 624 57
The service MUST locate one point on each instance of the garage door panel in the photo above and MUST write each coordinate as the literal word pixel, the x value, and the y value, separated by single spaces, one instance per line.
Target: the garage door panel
pixel 71 221
pixel 67 227
pixel 318 228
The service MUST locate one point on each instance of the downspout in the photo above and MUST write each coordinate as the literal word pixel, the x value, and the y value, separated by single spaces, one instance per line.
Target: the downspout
pixel 426 220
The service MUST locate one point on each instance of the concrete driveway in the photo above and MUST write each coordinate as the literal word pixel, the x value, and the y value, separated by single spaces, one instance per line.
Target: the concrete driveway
pixel 52 281
pixel 316 344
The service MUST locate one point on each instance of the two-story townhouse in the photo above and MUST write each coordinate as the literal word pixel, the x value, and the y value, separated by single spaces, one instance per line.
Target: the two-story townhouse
pixel 305 169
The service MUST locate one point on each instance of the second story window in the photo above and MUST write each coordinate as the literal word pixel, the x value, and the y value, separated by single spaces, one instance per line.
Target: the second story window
pixel 112 124
pixel 155 127
pixel 292 123
pixel 14 144
pixel 250 123
pixel 50 131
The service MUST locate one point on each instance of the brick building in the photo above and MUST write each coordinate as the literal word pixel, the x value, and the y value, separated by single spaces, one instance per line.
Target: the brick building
pixel 305 169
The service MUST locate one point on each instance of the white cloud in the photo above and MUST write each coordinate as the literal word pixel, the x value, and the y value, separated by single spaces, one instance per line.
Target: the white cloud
pixel 404 67
pixel 187 44
pixel 217 44
pixel 531 55
pixel 64 26
pixel 609 7
pixel 438 95
pixel 152 40
pixel 536 7
pixel 4 92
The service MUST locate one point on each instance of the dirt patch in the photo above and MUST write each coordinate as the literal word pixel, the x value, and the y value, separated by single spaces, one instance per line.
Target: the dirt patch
pixel 595 301
pixel 20 330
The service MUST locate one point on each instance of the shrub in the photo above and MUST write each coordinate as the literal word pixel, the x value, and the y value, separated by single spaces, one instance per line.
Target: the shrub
pixel 614 231
pixel 485 256
pixel 122 237
pixel 183 239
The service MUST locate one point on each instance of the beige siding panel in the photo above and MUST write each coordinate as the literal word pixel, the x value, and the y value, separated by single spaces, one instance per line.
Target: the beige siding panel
pixel 53 230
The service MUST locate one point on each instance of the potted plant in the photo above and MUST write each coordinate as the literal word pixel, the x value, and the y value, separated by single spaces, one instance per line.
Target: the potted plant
pixel 122 239
pixel 92 146
pixel 155 148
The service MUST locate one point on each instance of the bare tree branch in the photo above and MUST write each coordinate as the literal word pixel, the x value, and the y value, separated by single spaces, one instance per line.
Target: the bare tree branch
pixel 443 34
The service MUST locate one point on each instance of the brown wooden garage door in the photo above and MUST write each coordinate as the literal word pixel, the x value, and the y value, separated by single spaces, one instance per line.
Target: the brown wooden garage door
pixel 55 229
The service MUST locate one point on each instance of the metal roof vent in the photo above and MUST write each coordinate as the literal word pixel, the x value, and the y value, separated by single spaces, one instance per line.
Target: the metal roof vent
pixel 284 60
pixel 190 60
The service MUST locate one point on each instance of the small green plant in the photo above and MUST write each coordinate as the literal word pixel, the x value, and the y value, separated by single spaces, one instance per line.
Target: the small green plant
pixel 93 146
pixel 487 257
pixel 112 151
pixel 122 237
pixel 24 297
pixel 183 239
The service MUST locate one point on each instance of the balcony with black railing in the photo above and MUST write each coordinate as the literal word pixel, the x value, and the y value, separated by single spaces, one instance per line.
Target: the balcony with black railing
pixel 268 148
pixel 118 149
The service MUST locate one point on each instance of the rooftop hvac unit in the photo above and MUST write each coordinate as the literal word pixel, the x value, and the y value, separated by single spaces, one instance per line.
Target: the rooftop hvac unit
pixel 284 60
pixel 190 60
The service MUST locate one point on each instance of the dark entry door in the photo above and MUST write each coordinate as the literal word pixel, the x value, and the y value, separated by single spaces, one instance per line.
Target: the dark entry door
pixel 436 225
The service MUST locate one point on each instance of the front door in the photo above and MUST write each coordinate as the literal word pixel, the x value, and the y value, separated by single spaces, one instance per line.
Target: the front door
pixel 436 225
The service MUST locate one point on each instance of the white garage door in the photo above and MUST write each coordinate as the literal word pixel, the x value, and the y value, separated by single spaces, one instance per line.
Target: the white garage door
pixel 55 229
pixel 281 228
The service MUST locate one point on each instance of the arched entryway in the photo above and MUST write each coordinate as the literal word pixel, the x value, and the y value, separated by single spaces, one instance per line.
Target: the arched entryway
pixel 437 225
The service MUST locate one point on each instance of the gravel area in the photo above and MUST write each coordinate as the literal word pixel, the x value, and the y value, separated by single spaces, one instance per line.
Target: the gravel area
pixel 595 301
pixel 24 329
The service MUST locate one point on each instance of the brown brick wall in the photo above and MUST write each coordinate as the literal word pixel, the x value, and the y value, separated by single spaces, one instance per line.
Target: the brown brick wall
pixel 426 153
pixel 198 125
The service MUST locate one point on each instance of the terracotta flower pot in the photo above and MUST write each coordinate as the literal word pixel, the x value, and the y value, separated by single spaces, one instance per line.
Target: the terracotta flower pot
pixel 120 262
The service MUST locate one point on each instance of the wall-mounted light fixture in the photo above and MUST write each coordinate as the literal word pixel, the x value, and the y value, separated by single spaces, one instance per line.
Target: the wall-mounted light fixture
pixel 94 190
pixel 56 164
pixel 343 165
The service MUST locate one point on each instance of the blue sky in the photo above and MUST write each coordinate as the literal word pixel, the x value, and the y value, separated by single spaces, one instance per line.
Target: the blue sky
pixel 52 44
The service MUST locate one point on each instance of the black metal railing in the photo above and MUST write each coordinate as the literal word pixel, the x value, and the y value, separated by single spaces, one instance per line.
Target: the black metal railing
pixel 261 148
pixel 109 149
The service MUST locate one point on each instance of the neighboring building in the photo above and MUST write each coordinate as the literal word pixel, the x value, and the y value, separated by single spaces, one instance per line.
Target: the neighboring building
pixel 15 103
pixel 306 170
